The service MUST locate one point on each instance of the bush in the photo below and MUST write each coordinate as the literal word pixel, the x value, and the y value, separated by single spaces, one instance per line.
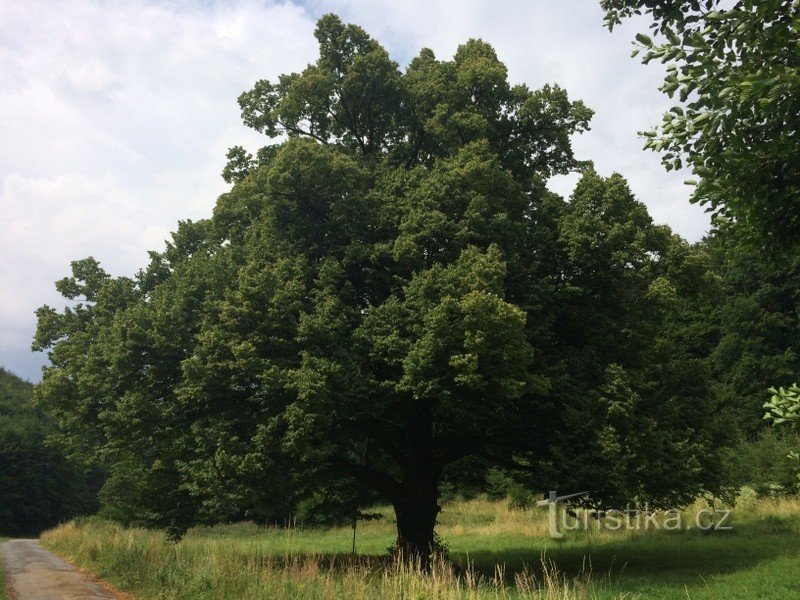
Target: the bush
pixel 764 464
pixel 520 497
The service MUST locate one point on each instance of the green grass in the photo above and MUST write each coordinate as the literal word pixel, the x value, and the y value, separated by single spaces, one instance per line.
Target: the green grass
pixel 497 553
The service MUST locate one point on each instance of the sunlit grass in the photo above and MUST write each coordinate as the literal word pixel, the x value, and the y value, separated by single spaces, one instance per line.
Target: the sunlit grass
pixel 496 552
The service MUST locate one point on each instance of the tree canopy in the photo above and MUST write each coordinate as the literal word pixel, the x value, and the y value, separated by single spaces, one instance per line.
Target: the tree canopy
pixel 735 67
pixel 387 294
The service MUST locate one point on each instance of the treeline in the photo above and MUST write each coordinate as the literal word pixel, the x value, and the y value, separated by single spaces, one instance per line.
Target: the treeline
pixel 754 326
pixel 39 487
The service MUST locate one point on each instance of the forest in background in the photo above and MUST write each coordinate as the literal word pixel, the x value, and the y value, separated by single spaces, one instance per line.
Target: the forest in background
pixel 39 487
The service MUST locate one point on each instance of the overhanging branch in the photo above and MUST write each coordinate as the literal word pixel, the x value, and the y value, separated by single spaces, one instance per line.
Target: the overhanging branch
pixel 375 479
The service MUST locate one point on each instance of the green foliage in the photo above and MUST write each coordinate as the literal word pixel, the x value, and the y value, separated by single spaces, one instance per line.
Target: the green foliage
pixel 629 313
pixel 764 464
pixel 734 68
pixel 38 486
pixel 784 406
pixel 752 330
pixel 497 484
pixel 520 497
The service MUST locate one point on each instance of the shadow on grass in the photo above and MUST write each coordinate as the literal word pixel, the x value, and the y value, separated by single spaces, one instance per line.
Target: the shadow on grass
pixel 626 563
pixel 756 556
pixel 679 557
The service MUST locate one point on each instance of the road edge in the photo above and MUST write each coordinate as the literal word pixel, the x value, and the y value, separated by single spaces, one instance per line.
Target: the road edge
pixel 118 594
pixel 8 589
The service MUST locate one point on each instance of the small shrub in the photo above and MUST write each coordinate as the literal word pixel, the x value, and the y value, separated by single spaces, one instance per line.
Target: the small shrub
pixel 520 497
pixel 746 499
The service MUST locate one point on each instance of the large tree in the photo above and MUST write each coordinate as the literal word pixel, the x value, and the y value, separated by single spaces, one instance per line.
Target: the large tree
pixel 735 67
pixel 388 292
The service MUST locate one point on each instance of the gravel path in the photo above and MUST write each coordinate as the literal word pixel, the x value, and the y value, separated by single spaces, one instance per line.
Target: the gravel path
pixel 33 573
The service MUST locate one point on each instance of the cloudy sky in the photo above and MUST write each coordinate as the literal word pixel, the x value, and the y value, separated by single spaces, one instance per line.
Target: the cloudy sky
pixel 115 116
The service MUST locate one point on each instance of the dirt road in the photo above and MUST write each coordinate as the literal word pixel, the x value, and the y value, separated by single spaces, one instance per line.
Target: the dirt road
pixel 33 573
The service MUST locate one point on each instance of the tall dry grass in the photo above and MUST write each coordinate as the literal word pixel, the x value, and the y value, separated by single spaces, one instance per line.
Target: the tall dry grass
pixel 141 562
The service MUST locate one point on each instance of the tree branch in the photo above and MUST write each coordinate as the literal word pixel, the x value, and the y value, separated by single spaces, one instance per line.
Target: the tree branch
pixel 375 479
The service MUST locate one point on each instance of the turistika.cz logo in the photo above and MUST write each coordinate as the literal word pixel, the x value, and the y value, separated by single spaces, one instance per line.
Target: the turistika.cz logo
pixel 634 517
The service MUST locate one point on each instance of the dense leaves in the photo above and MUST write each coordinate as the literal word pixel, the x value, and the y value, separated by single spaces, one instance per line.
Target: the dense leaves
pixel 735 66
pixel 756 326
pixel 784 406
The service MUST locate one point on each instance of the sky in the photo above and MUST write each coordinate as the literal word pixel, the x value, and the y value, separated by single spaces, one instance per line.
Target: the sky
pixel 115 116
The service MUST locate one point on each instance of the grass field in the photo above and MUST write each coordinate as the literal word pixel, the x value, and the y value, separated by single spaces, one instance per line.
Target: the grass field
pixel 497 553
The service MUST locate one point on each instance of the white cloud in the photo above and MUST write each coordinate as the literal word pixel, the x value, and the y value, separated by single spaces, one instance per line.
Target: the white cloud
pixel 116 117
pixel 116 114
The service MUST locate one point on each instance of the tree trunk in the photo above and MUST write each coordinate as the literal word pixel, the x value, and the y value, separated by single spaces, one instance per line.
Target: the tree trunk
pixel 416 503
pixel 416 509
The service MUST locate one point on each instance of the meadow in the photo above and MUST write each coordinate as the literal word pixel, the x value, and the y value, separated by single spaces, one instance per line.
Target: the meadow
pixel 495 552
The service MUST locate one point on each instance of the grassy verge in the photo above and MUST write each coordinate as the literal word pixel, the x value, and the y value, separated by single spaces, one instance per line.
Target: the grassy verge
pixel 497 553
pixel 2 575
